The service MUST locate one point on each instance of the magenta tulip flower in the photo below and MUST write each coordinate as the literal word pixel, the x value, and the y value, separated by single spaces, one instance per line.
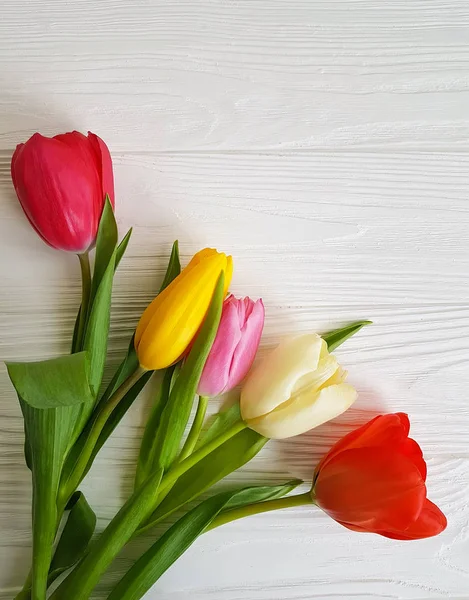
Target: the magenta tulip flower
pixel 235 346
pixel 61 183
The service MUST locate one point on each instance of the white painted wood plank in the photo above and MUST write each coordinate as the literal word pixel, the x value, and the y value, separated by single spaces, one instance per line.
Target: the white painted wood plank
pixel 248 74
pixel 324 145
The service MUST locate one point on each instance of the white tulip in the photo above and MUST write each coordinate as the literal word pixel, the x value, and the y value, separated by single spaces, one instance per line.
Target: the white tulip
pixel 295 388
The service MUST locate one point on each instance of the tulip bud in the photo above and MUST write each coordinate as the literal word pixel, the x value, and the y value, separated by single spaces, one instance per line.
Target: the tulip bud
pixel 171 321
pixel 235 346
pixel 61 183
pixel 295 388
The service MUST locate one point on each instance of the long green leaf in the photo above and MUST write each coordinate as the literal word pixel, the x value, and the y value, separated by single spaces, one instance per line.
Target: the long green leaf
pixel 61 381
pixel 174 267
pixel 255 494
pixel 49 431
pixel 118 414
pixel 127 367
pixel 75 537
pixel 177 411
pixel 337 337
pixel 81 581
pixel 146 457
pixel 113 421
pixel 75 332
pixel 122 247
pixel 230 456
pixel 97 329
pixel 153 563
pixel 106 242
pixel 130 363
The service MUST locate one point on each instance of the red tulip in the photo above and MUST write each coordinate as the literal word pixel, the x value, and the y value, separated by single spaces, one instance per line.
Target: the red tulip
pixel 61 183
pixel 374 480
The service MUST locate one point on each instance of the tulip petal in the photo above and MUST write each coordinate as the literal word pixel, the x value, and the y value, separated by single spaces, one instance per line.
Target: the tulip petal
pixel 246 349
pixel 383 430
pixel 228 273
pixel 430 522
pixel 235 346
pixel 371 488
pixel 171 321
pixel 412 450
pixel 272 381
pixel 104 165
pixel 207 254
pixel 57 190
pixel 305 412
pixel 311 382
pixel 216 373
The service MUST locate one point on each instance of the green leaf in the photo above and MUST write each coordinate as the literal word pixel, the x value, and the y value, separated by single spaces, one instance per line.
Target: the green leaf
pixel 118 414
pixel 97 329
pixel 153 563
pixel 52 394
pixel 220 423
pixel 146 456
pixel 106 242
pixel 27 451
pixel 122 247
pixel 337 337
pixel 76 535
pixel 127 367
pixel 253 495
pixel 75 332
pixel 81 581
pixel 49 431
pixel 97 326
pixel 230 456
pixel 177 411
pixel 174 267
pixel 61 381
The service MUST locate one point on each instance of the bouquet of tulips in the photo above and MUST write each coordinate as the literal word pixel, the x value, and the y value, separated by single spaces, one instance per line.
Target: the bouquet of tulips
pixel 203 341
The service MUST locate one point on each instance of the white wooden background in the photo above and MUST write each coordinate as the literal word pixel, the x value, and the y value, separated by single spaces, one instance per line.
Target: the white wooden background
pixel 325 145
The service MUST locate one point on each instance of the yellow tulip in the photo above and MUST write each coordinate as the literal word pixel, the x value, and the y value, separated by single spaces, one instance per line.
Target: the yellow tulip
pixel 171 321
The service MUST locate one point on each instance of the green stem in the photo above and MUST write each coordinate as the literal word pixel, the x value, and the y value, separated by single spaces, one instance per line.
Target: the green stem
pixel 69 486
pixel 85 296
pixel 196 428
pixel 173 475
pixel 261 507
pixel 86 575
pixel 79 584
pixel 180 468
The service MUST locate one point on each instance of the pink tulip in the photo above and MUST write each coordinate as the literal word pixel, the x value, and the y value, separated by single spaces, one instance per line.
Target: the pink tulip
pixel 235 346
pixel 61 183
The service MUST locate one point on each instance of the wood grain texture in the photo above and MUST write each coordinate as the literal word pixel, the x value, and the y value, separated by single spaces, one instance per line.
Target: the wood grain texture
pixel 325 145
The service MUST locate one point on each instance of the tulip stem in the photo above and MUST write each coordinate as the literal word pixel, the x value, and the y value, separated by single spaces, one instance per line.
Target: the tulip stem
pixel 195 430
pixel 69 486
pixel 85 296
pixel 173 474
pixel 261 507
pixel 179 469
